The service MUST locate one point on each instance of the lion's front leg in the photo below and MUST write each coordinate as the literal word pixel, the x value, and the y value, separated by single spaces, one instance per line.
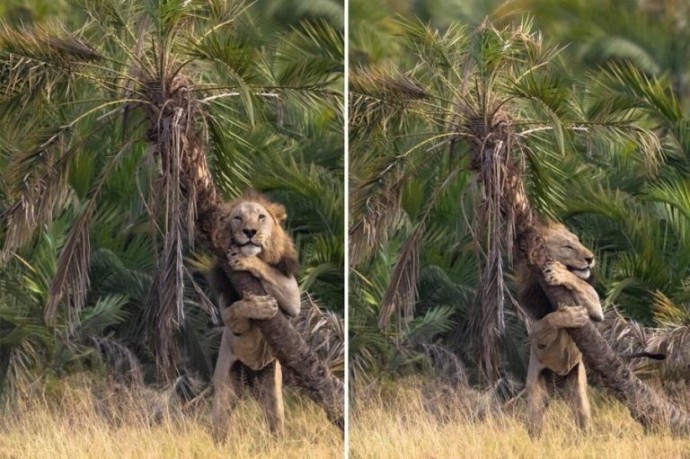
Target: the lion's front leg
pixel 565 317
pixel 537 396
pixel 225 388
pixel 555 273
pixel 545 330
pixel 237 316
pixel 282 288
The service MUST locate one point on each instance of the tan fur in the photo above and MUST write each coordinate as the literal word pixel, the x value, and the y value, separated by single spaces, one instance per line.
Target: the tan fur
pixel 555 362
pixel 260 245
pixel 276 244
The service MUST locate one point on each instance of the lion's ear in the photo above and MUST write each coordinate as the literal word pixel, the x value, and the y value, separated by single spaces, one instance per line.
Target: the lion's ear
pixel 278 212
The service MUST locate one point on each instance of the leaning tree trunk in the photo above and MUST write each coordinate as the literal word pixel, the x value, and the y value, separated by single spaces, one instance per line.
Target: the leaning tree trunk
pixel 647 406
pixel 292 351
pixel 287 344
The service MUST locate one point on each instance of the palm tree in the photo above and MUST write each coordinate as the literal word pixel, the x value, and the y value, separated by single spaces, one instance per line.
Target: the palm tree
pixel 170 81
pixel 492 101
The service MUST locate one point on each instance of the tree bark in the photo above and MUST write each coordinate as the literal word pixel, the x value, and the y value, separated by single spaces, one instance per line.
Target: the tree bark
pixel 294 353
pixel 646 406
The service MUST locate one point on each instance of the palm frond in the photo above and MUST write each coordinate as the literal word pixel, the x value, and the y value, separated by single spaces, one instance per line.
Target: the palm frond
pixel 402 290
pixel 106 312
pixel 71 282
pixel 311 55
pixel 324 332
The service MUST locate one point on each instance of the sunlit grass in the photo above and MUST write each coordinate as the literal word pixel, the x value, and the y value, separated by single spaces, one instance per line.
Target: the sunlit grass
pixel 74 423
pixel 397 425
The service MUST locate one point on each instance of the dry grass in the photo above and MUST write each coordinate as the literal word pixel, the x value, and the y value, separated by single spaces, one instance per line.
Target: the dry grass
pixel 396 425
pixel 73 423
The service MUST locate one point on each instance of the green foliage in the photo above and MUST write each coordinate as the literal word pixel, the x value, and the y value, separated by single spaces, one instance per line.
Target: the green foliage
pixel 605 149
pixel 92 220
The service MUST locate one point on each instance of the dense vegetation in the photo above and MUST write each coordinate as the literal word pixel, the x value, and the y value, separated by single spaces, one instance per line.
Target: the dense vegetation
pixel 597 94
pixel 90 224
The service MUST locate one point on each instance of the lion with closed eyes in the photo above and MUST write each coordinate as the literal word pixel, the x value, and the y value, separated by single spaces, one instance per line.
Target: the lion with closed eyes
pixel 555 363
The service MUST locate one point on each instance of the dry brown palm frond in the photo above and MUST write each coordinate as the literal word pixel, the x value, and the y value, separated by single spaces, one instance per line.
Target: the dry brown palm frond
pixel 71 281
pixel 495 218
pixel 446 364
pixel 671 340
pixel 401 293
pixel 123 365
pixel 324 332
pixel 626 335
pixel 171 113
pixel 50 46
pixel 170 314
pixel 41 178
pixel 388 84
pixel 674 342
pixel 39 58
pixel 376 204
pixel 666 312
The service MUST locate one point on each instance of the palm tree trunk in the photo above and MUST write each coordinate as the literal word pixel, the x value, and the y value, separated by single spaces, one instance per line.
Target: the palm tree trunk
pixel 292 351
pixel 287 344
pixel 648 407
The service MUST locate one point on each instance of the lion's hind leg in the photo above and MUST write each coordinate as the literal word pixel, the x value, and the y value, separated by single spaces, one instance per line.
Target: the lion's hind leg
pixel 270 395
pixel 575 395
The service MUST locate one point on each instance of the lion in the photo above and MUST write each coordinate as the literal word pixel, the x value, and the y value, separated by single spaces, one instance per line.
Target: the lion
pixel 555 361
pixel 260 245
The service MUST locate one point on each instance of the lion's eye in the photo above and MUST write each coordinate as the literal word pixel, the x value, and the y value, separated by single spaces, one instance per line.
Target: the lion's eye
pixel 570 247
pixel 262 217
pixel 237 218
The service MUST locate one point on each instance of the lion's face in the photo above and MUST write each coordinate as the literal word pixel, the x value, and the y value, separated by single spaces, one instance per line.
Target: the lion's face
pixel 566 248
pixel 255 224
pixel 252 227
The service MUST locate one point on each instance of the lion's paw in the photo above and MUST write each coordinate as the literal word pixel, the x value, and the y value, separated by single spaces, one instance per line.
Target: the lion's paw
pixel 241 262
pixel 555 273
pixel 265 307
pixel 244 264
pixel 234 256
pixel 572 316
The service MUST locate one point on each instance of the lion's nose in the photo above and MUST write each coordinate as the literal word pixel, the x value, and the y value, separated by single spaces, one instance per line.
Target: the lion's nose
pixel 249 232
pixel 589 260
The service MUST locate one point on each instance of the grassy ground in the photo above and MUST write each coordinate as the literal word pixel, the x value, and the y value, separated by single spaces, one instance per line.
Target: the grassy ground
pixel 80 422
pixel 399 424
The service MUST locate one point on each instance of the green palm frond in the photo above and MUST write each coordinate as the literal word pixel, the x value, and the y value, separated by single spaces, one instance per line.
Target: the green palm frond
pixel 610 136
pixel 436 321
pixel 105 104
pixel 311 54
pixel 106 312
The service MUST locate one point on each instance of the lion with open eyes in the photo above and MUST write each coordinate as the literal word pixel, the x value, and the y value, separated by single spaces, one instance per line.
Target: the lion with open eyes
pixel 555 361
pixel 259 245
